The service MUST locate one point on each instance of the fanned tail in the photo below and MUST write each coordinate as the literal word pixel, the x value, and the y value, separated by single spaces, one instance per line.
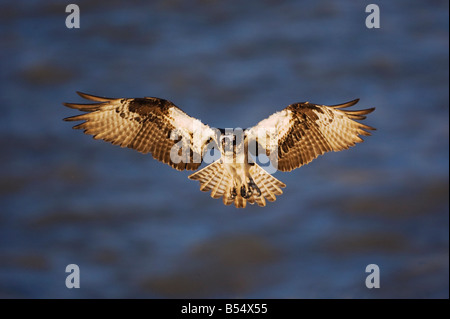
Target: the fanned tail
pixel 267 184
pixel 262 186
pixel 216 179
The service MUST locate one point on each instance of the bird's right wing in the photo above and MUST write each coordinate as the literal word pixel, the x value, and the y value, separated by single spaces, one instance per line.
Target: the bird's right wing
pixel 148 125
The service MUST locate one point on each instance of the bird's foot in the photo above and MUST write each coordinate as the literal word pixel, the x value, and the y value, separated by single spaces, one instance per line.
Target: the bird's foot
pixel 252 185
pixel 248 190
pixel 233 193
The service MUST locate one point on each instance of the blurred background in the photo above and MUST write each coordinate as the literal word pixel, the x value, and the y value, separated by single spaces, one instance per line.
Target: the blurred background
pixel 139 229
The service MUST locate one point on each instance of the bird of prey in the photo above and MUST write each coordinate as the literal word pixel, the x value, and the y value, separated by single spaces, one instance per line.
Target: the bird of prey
pixel 289 138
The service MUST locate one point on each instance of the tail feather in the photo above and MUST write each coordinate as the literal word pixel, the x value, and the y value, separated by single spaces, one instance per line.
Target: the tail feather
pixel 252 199
pixel 206 176
pixel 215 178
pixel 269 185
pixel 227 198
pixel 258 199
pixel 240 202
pixel 221 187
pixel 262 186
pixel 210 181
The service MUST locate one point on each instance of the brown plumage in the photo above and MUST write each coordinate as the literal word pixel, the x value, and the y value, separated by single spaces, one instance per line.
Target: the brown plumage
pixel 291 138
pixel 308 130
pixel 143 124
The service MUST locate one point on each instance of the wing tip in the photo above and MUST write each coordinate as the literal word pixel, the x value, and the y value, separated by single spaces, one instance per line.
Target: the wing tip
pixel 83 107
pixel 68 119
pixel 345 104
pixel 84 95
pixel 368 127
pixel 94 97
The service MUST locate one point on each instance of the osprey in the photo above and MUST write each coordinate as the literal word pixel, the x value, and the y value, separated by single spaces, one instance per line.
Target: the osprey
pixel 290 138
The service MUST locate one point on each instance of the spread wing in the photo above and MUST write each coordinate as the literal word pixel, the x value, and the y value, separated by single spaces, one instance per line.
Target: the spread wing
pixel 303 131
pixel 148 125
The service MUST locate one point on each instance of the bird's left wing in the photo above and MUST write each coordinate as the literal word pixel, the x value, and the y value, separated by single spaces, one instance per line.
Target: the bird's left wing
pixel 302 131
pixel 148 125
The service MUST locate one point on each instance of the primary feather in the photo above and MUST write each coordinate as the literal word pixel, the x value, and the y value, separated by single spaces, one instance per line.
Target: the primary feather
pixel 291 138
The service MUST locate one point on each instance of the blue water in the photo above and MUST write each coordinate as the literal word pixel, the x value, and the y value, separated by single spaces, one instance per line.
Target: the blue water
pixel 139 229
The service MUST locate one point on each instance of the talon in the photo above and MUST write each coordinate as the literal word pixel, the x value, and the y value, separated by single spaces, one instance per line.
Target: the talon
pixel 253 186
pixel 243 191
pixel 233 193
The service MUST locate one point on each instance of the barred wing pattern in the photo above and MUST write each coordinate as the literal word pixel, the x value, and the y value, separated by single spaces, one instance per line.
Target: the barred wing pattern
pixel 292 137
pixel 148 125
pixel 303 131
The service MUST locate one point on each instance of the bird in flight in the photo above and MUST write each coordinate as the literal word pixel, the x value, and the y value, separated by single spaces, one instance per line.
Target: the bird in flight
pixel 289 138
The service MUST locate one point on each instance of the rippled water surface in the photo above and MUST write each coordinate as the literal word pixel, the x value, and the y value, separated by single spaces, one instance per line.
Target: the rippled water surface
pixel 139 229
